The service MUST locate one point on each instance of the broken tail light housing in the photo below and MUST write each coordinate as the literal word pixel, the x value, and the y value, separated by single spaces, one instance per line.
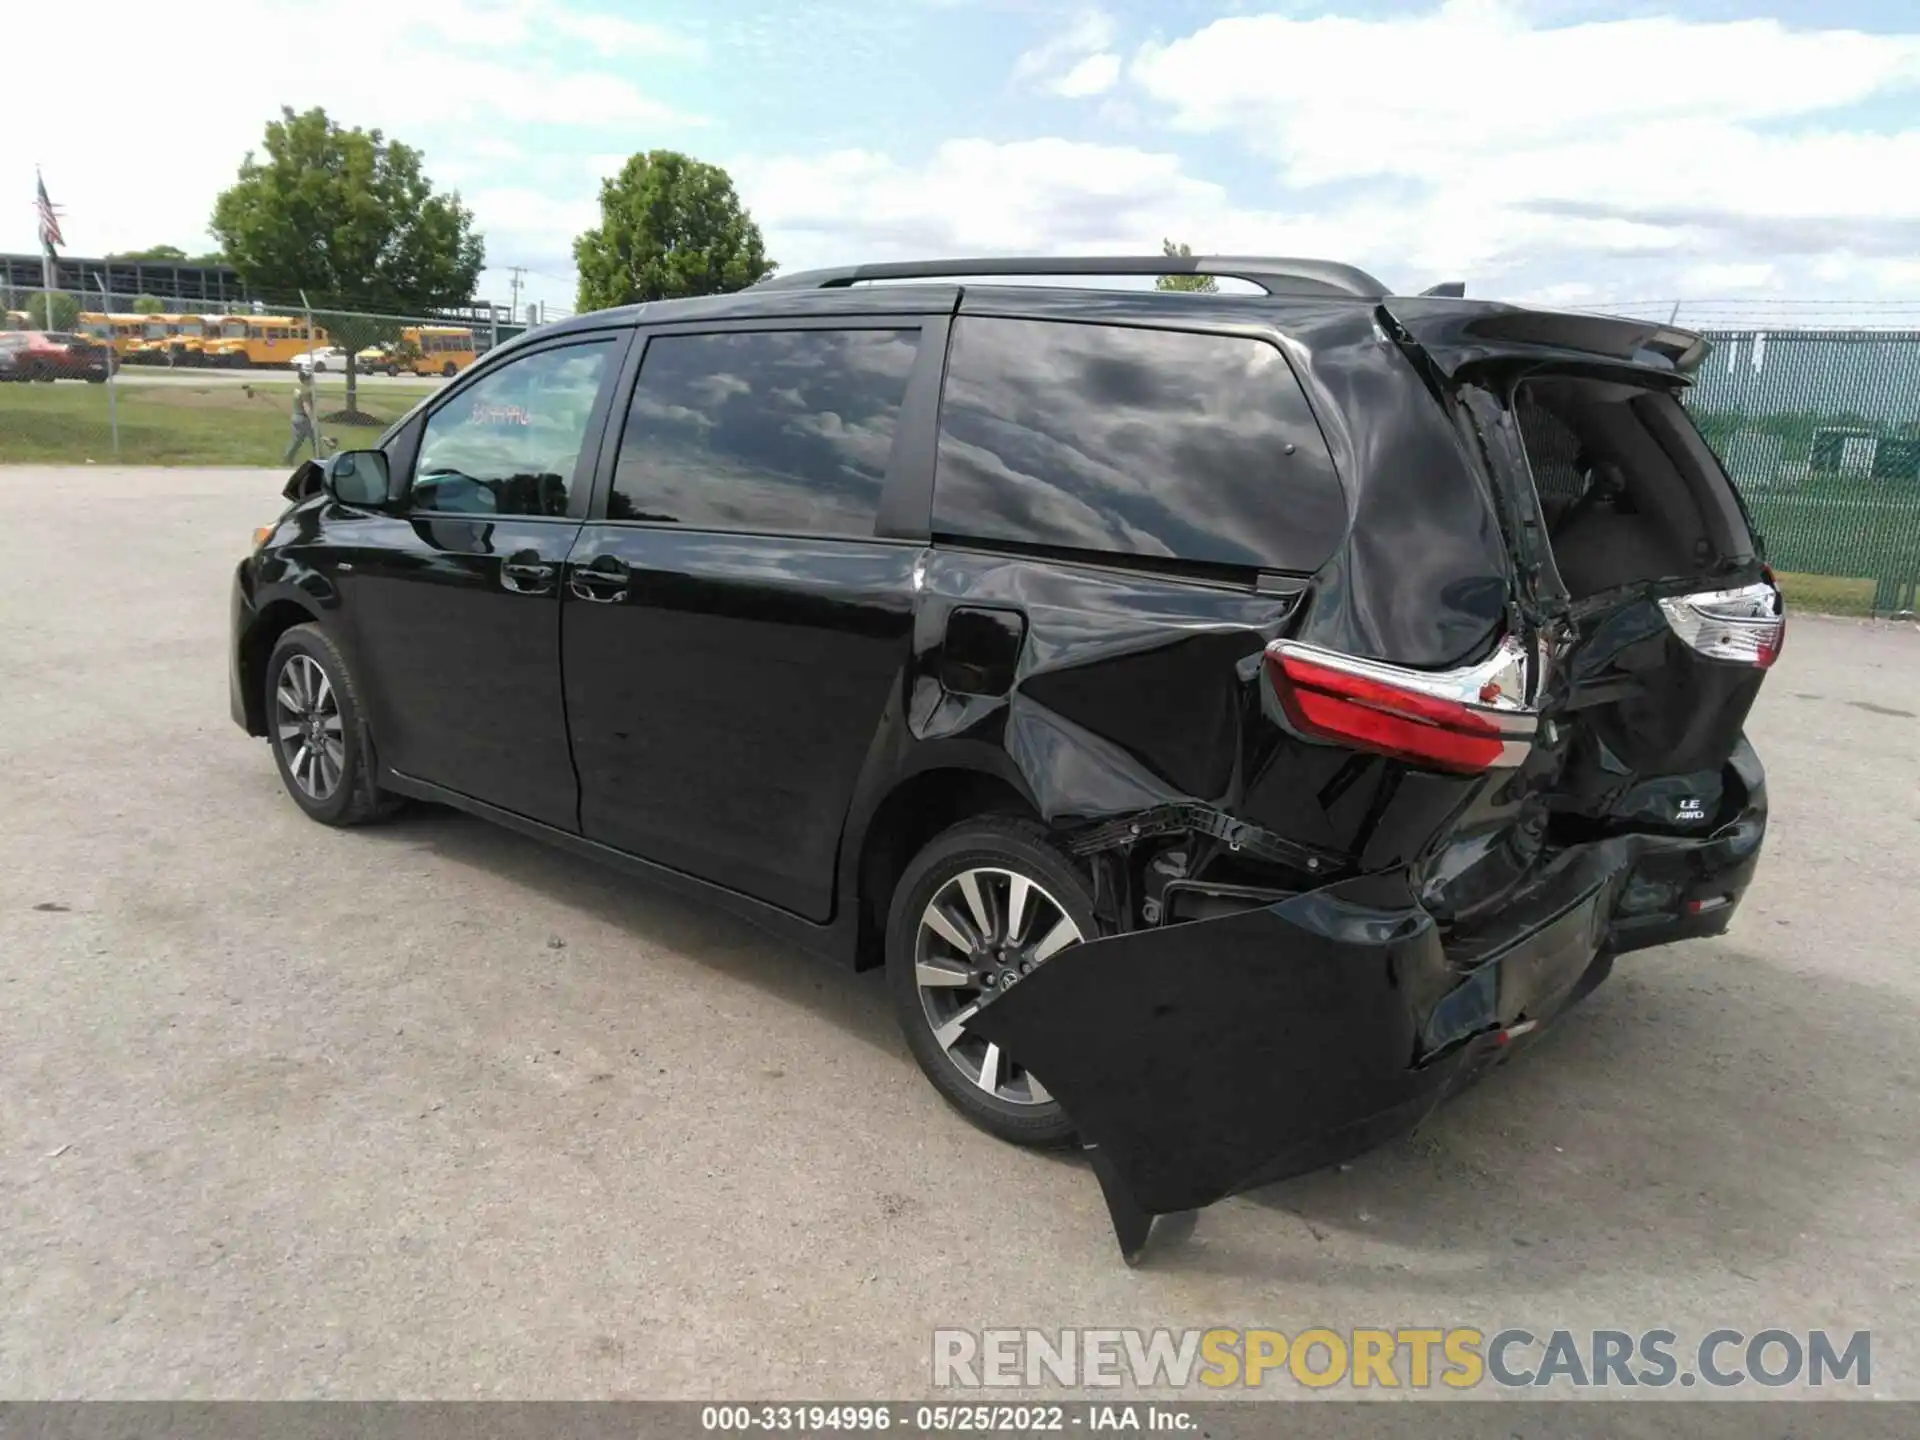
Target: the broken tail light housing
pixel 1469 720
pixel 1746 626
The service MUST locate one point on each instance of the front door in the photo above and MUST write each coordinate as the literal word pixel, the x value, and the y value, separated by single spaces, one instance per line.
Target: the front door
pixel 454 601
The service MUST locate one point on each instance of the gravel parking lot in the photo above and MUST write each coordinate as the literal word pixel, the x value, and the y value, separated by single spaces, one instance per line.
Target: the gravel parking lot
pixel 430 1110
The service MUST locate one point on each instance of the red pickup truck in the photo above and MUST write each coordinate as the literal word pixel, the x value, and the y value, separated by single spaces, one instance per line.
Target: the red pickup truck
pixel 54 355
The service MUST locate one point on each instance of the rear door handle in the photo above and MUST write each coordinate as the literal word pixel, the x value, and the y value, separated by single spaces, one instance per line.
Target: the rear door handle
pixel 525 573
pixel 603 580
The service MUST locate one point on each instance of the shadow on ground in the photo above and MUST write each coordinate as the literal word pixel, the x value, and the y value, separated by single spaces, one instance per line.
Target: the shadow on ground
pixel 1654 1092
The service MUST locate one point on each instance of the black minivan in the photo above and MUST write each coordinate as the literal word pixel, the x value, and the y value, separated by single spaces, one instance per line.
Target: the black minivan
pixel 1234 721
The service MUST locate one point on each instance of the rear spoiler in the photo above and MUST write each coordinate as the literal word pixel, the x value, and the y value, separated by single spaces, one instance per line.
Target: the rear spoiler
pixel 1456 334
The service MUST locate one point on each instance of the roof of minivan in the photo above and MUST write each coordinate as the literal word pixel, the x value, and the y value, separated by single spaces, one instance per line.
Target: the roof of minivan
pixel 1455 331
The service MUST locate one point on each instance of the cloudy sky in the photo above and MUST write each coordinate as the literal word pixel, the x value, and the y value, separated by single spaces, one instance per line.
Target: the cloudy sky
pixel 1551 150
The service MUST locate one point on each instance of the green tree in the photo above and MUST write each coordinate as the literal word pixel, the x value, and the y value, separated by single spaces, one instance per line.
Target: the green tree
pixel 1201 283
pixel 52 310
pixel 670 226
pixel 171 253
pixel 147 305
pixel 350 219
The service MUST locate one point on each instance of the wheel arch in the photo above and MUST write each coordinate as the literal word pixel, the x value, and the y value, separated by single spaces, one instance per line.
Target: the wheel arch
pixel 274 620
pixel 918 808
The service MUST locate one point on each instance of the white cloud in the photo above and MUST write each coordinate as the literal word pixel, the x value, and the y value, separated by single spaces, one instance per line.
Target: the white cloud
pixel 1714 279
pixel 1467 142
pixel 1507 139
pixel 1335 97
pixel 1075 62
pixel 971 197
pixel 610 35
pixel 1094 75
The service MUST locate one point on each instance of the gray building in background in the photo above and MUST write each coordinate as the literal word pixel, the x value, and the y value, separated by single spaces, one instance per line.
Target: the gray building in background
pixel 214 285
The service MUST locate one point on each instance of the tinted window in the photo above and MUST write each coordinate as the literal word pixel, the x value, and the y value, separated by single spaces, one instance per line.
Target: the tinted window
pixel 508 443
pixel 772 430
pixel 1137 442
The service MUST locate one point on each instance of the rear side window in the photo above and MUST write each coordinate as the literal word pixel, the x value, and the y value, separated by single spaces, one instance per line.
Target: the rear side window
pixel 1159 443
pixel 776 430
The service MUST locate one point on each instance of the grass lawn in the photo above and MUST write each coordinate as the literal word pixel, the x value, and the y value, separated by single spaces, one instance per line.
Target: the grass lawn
pixel 1826 594
pixel 218 423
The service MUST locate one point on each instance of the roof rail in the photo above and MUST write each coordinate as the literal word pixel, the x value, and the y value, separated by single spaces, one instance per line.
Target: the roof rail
pixel 1273 275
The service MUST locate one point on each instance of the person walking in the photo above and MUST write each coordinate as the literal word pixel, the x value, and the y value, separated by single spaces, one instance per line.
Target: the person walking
pixel 303 415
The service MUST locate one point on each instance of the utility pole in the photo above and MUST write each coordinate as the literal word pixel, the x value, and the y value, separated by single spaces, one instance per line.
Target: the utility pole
pixel 517 271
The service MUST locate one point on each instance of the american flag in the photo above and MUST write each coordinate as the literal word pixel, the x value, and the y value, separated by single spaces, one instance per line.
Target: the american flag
pixel 50 235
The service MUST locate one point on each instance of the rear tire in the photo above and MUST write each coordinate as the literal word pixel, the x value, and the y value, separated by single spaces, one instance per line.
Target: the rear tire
pixel 448 369
pixel 317 727
pixel 1006 869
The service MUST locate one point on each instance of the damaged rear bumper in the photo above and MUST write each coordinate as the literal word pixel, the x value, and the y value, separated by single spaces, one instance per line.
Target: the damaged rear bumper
pixel 1204 1058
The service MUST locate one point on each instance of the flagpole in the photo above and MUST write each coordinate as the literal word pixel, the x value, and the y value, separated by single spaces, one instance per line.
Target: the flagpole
pixel 48 279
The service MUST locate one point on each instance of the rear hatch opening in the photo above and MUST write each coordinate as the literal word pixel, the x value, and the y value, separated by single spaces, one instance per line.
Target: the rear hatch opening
pixel 1665 618
pixel 1629 491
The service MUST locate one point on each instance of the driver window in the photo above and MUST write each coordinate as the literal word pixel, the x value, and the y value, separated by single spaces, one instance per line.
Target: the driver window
pixel 508 443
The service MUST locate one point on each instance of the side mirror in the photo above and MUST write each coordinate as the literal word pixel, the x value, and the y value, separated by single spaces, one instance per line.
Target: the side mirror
pixel 356 477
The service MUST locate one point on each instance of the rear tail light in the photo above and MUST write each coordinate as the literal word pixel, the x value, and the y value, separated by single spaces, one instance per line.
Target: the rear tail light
pixel 1467 720
pixel 1746 626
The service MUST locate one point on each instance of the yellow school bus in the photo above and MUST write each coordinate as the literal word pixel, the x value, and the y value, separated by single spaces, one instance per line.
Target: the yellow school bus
pixel 187 343
pixel 245 340
pixel 120 332
pixel 436 349
pixel 160 339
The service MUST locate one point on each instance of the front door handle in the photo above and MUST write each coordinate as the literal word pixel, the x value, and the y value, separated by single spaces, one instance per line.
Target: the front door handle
pixel 603 580
pixel 525 573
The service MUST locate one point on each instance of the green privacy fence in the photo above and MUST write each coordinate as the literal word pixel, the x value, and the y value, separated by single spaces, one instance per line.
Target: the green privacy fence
pixel 1821 431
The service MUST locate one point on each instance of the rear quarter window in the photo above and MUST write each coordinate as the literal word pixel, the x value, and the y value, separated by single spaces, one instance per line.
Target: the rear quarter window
pixel 1114 440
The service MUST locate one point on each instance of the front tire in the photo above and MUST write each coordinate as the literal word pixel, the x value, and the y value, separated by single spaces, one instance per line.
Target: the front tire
pixel 317 727
pixel 984 902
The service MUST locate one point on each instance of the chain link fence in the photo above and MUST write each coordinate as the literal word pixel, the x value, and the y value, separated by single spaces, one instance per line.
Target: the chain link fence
pixel 1820 428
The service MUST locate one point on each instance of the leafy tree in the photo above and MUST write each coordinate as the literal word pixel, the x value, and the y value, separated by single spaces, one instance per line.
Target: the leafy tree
pixel 349 218
pixel 670 226
pixel 1201 283
pixel 147 305
pixel 171 253
pixel 52 310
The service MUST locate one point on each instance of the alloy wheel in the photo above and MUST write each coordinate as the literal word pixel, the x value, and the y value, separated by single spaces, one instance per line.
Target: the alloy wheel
pixel 982 930
pixel 307 728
